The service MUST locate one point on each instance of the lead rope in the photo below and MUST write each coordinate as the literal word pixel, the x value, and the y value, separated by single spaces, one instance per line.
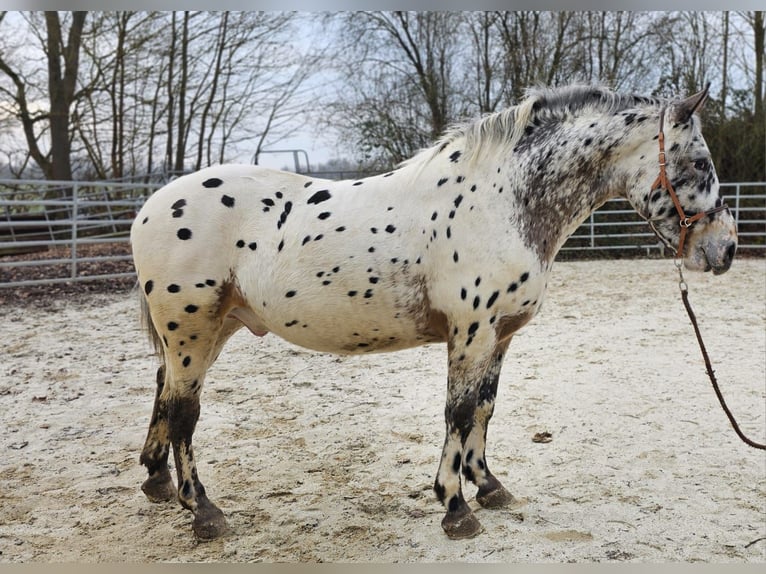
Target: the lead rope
pixel 685 298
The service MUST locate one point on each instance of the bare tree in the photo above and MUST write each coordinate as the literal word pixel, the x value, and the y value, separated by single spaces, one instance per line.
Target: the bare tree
pixel 400 67
pixel 60 46
pixel 490 71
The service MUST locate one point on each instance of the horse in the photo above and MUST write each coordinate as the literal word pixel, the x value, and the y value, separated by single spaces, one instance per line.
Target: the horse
pixel 455 245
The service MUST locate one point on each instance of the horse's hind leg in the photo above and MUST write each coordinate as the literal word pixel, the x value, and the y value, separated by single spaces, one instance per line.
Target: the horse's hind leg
pixel 192 333
pixel 159 486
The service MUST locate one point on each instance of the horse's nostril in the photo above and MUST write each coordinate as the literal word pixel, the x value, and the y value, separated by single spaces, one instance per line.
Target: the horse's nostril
pixel 730 251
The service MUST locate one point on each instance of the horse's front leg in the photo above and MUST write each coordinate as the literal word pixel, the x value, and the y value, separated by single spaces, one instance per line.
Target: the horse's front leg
pixel 491 493
pixel 468 361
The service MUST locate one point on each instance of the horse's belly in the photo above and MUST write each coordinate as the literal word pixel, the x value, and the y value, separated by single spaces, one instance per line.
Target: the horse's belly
pixel 348 329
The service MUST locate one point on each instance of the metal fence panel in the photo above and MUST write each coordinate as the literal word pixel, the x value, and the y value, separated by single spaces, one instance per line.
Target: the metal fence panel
pixel 65 227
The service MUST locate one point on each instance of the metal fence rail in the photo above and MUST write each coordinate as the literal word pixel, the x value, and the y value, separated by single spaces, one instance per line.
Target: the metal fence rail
pixel 68 230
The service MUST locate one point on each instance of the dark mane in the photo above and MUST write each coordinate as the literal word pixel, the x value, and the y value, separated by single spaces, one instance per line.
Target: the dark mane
pixel 501 130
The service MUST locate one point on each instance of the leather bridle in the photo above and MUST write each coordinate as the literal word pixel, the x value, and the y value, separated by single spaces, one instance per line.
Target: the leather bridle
pixel 663 183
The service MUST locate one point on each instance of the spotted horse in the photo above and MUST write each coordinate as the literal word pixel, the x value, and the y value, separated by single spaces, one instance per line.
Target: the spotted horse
pixel 456 245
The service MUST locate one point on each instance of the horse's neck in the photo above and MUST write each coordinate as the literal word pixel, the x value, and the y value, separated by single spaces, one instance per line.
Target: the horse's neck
pixel 559 179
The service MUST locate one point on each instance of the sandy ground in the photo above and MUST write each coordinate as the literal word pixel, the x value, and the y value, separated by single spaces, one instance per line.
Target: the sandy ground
pixel 322 458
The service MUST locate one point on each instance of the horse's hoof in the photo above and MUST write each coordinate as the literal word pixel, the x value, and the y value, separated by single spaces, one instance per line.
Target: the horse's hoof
pixel 462 526
pixel 499 497
pixel 209 523
pixel 160 487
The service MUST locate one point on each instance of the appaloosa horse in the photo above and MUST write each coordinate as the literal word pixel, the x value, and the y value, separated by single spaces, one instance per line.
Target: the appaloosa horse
pixel 455 246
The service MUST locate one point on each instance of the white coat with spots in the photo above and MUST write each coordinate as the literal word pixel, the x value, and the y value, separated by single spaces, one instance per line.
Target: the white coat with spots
pixel 455 246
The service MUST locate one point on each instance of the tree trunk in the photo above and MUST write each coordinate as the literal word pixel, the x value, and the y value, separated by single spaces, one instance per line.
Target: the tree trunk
pixel 178 167
pixel 61 87
pixel 759 31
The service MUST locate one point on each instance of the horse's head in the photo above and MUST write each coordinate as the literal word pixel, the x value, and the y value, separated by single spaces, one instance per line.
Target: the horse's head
pixel 683 204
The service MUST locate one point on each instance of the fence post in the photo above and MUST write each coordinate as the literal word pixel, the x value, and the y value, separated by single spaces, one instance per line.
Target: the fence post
pixel 73 249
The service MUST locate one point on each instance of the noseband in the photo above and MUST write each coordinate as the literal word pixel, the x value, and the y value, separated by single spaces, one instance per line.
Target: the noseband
pixel 662 182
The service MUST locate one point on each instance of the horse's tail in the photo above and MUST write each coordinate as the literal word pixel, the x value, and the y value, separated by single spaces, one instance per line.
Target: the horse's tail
pixel 151 330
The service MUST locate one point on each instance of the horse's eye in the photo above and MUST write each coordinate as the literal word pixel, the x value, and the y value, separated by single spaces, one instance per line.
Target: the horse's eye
pixel 701 164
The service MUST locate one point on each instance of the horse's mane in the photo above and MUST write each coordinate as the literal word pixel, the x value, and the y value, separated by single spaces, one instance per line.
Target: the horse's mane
pixel 504 128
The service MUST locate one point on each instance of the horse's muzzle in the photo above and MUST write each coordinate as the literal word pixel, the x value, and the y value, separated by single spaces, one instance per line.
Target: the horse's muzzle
pixel 718 257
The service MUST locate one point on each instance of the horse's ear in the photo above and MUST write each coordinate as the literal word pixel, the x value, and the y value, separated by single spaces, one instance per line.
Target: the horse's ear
pixel 684 110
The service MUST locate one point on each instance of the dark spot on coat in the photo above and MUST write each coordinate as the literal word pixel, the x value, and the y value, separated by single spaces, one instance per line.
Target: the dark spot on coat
pixel 173 288
pixel 454 156
pixel 187 361
pixel 473 327
pixel 341 228
pixel 252 246
pixel 172 326
pixel 191 308
pixel 290 294
pixel 212 182
pixel 184 234
pixel 390 228
pixel 323 215
pixel 492 299
pixel 228 201
pixel 268 201
pixel 319 196
pixel 148 286
pixel 442 181
pixel 240 243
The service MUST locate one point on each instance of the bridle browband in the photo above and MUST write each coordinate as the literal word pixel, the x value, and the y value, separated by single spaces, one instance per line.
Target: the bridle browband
pixel 662 182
